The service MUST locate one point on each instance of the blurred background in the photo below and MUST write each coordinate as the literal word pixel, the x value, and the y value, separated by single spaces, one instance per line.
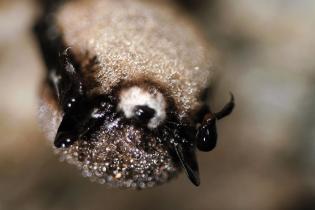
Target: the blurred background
pixel 265 158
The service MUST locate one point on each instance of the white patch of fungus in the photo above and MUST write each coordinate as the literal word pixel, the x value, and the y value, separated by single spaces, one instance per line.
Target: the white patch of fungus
pixel 136 96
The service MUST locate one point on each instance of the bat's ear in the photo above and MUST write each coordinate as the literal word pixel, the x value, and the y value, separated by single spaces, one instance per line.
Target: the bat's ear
pixel 187 157
pixel 64 138
pixel 206 137
pixel 69 130
pixel 81 118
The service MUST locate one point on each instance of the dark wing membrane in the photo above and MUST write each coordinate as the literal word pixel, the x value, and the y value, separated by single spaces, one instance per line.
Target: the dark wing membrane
pixel 47 34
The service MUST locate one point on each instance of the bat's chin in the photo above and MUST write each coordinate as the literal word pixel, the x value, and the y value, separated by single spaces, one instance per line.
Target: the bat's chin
pixel 122 156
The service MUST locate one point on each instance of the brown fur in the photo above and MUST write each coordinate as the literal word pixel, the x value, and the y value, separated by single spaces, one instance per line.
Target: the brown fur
pixel 135 39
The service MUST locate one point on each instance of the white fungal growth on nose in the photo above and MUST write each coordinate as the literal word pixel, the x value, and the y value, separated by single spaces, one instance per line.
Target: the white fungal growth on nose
pixel 136 96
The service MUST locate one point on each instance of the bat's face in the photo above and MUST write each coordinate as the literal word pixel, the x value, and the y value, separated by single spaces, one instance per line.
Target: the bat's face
pixel 129 145
pixel 124 138
pixel 123 150
pixel 118 104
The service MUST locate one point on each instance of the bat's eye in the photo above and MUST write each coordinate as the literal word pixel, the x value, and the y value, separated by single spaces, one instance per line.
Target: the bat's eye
pixel 143 114
pixel 146 108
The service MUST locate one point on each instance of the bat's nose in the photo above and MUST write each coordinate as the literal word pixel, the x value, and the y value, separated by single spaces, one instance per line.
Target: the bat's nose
pixel 143 113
